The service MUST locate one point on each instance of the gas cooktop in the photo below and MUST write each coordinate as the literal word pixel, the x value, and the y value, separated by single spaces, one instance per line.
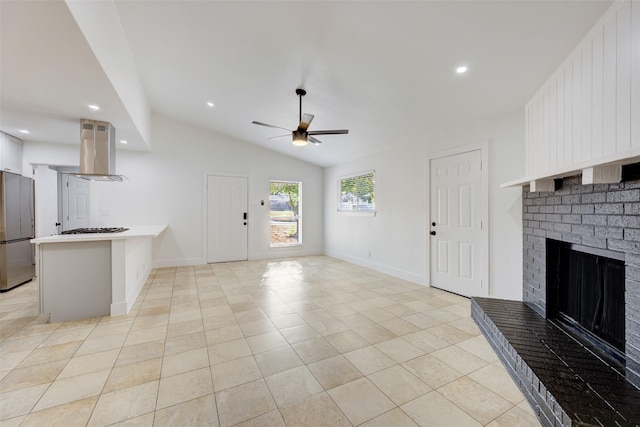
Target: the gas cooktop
pixel 95 230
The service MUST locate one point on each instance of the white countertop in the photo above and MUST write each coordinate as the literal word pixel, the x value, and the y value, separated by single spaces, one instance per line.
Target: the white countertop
pixel 134 231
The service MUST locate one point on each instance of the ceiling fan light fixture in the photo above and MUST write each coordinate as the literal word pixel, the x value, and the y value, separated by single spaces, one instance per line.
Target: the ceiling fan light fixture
pixel 299 139
pixel 301 136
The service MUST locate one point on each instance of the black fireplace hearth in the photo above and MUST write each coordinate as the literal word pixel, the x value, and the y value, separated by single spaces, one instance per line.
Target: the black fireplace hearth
pixel 565 382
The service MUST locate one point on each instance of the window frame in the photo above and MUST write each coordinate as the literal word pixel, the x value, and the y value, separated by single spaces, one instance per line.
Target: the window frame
pixel 299 219
pixel 356 212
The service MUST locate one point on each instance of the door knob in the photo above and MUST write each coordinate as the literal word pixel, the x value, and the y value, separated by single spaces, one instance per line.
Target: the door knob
pixel 433 233
pixel 433 224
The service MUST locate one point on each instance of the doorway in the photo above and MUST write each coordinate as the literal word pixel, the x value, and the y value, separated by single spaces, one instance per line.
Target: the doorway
pixel 76 202
pixel 458 223
pixel 227 218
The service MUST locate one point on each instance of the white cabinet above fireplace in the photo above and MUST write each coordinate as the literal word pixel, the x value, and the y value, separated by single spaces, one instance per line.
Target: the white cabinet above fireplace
pixel 588 113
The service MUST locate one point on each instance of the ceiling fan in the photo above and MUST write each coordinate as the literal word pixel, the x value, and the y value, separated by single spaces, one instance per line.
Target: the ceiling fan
pixel 301 135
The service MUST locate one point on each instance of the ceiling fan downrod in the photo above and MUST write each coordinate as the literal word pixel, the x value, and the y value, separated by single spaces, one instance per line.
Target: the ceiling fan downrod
pixel 300 92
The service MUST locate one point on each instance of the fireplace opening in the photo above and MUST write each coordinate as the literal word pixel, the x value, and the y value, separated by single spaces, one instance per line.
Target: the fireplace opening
pixel 586 295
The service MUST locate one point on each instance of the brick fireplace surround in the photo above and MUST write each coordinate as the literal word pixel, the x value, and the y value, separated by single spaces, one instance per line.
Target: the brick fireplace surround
pixel 581 388
pixel 605 216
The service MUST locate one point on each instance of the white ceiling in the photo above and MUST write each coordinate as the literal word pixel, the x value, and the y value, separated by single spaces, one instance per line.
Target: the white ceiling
pixel 382 69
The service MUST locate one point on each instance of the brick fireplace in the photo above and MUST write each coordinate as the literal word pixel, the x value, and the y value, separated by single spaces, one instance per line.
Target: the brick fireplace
pixel 572 345
pixel 604 217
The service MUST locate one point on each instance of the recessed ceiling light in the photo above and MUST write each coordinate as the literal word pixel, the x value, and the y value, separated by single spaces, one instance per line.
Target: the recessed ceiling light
pixel 94 107
pixel 23 131
pixel 462 69
pixel 123 141
pixel 210 104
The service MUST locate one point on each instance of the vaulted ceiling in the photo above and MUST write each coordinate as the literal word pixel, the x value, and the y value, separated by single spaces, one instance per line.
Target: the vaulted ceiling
pixel 383 69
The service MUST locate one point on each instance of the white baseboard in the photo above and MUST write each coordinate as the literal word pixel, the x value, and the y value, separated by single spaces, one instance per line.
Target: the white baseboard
pixel 273 253
pixel 124 307
pixel 119 308
pixel 178 262
pixel 381 268
pixel 285 252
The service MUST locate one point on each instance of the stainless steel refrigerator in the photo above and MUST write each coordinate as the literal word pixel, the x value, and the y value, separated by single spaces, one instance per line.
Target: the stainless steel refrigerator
pixel 16 229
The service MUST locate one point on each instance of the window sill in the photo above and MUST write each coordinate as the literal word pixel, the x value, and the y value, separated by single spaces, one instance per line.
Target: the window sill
pixel 356 213
pixel 286 246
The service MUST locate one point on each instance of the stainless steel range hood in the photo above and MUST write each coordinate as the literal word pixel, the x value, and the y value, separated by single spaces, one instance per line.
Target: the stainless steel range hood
pixel 98 151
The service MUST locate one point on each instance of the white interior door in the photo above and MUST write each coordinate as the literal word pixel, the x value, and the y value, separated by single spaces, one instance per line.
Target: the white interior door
pixel 47 201
pixel 456 223
pixel 76 202
pixel 226 218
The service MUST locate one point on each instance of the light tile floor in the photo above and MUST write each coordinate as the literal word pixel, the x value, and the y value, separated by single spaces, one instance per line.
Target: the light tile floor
pixel 308 341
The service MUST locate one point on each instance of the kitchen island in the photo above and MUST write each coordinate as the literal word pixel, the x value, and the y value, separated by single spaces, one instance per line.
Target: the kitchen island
pixel 93 275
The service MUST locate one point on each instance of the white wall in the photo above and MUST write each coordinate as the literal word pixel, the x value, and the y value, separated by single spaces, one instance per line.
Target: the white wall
pixel 166 186
pixel 397 236
pixel 506 162
pixel 392 241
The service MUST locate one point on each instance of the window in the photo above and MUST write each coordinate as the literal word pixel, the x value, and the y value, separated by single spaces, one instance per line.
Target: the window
pixel 357 193
pixel 285 213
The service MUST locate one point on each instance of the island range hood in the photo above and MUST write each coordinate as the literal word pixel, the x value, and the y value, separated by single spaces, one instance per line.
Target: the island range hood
pixel 98 151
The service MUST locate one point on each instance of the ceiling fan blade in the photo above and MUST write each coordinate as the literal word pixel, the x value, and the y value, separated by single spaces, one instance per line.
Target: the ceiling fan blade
pixel 305 122
pixel 329 132
pixel 270 126
pixel 313 140
pixel 280 136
